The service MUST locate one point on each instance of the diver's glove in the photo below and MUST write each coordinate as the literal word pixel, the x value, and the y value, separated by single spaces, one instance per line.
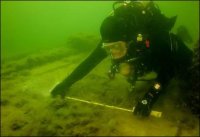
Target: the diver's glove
pixel 59 90
pixel 144 106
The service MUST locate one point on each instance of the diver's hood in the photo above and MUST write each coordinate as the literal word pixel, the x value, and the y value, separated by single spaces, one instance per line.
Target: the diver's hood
pixel 132 18
pixel 113 29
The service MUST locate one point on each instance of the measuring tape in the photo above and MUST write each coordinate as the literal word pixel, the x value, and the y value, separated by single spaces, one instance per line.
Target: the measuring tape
pixel 152 113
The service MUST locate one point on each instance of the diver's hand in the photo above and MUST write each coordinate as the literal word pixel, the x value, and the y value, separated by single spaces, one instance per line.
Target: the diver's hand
pixel 143 108
pixel 59 90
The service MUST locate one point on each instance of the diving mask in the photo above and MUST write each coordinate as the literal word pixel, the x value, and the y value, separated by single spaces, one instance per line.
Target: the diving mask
pixel 116 49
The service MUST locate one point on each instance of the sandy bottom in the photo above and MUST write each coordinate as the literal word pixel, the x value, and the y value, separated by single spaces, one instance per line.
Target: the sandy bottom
pixel 28 110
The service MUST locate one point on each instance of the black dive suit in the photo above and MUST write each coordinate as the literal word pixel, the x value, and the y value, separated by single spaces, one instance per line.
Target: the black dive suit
pixel 160 50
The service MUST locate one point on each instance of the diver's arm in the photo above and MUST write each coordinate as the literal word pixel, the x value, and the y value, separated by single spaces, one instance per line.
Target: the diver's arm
pixel 178 65
pixel 83 69
pixel 144 106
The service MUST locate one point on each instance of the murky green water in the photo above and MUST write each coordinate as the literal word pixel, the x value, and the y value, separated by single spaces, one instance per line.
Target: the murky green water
pixel 30 26
pixel 38 50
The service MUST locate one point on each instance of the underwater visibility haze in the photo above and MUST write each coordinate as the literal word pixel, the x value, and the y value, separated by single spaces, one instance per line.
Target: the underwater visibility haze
pixel 42 42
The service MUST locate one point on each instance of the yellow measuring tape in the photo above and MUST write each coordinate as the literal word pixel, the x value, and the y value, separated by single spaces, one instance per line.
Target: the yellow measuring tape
pixel 153 112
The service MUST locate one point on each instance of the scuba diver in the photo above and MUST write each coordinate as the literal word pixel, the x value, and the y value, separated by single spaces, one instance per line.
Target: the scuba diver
pixel 137 37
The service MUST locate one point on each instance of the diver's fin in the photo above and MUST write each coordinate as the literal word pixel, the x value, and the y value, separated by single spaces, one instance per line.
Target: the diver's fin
pixel 184 35
pixel 171 22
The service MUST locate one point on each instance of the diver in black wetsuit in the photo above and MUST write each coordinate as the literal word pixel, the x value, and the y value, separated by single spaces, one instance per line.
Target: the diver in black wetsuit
pixel 138 39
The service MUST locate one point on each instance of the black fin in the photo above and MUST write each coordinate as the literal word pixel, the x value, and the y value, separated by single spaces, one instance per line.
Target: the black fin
pixel 171 22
